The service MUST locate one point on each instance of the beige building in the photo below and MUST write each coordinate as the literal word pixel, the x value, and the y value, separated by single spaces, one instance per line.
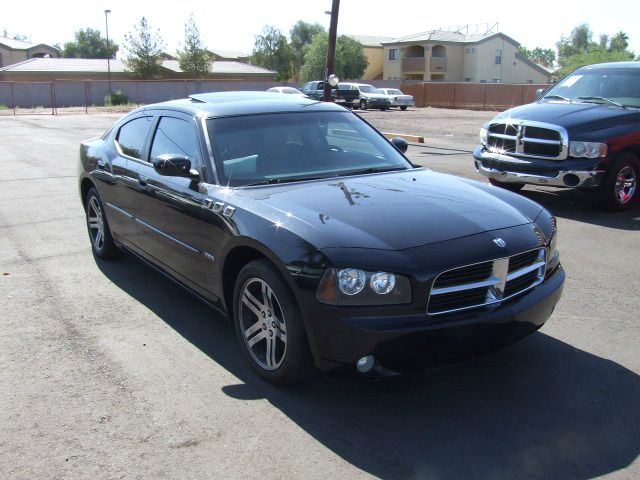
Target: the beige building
pixel 14 51
pixel 374 51
pixel 446 56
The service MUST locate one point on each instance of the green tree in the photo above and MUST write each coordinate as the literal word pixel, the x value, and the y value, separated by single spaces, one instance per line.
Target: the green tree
pixel 194 59
pixel 271 50
pixel 542 56
pixel 144 50
pixel 350 62
pixel 619 42
pixel 301 35
pixel 89 43
pixel 578 49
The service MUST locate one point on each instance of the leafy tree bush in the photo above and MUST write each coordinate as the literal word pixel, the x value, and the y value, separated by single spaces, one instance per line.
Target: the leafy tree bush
pixel 194 59
pixel 144 50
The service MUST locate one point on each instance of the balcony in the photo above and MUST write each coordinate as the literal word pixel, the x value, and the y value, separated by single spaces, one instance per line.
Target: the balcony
pixel 413 65
pixel 439 64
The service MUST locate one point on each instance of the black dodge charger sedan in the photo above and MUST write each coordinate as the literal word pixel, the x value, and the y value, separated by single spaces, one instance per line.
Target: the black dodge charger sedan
pixel 317 237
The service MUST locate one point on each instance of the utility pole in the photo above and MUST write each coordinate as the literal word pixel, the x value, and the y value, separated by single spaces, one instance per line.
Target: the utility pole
pixel 106 23
pixel 331 49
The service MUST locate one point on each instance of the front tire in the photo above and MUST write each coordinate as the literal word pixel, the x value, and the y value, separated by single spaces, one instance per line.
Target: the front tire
pixel 363 104
pixel 512 187
pixel 403 108
pixel 269 325
pixel 102 242
pixel 619 186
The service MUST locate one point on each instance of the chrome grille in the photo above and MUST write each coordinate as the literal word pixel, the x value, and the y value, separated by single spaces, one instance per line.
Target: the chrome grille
pixel 486 283
pixel 528 139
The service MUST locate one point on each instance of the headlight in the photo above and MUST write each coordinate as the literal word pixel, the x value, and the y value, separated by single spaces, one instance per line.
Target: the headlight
pixel 351 281
pixel 352 286
pixel 587 149
pixel 484 137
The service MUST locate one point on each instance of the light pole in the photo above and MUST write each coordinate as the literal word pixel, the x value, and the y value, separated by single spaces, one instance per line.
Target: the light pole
pixel 331 49
pixel 106 23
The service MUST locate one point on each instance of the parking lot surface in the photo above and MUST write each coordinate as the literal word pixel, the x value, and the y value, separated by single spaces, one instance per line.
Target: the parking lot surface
pixel 109 370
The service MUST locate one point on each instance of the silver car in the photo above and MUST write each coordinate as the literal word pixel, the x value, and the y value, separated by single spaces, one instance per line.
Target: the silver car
pixel 397 98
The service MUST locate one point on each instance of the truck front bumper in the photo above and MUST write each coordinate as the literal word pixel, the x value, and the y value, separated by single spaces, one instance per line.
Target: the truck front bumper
pixel 565 173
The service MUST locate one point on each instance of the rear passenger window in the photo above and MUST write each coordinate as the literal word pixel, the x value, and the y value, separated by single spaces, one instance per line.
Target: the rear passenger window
pixel 133 135
pixel 175 136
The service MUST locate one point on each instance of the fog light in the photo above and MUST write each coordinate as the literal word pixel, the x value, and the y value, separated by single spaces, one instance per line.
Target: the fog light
pixel 365 364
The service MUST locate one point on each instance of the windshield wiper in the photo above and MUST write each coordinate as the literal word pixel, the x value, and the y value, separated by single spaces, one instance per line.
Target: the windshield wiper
pixel 274 181
pixel 372 170
pixel 601 100
pixel 559 97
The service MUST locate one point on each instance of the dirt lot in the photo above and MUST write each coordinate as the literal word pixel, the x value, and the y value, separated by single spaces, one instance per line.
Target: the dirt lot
pixel 108 370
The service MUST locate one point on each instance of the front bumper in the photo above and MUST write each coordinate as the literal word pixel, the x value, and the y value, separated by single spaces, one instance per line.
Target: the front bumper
pixel 582 173
pixel 377 103
pixel 404 341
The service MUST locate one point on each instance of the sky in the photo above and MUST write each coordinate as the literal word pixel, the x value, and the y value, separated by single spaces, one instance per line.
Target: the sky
pixel 233 24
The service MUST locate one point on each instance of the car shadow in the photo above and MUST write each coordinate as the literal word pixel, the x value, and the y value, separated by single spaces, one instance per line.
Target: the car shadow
pixel 541 409
pixel 583 207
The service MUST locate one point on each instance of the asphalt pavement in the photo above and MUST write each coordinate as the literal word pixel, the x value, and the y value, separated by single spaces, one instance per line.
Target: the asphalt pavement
pixel 108 370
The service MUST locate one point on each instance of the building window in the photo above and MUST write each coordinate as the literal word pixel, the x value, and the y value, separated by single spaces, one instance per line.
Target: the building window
pixel 468 79
pixel 438 51
pixel 496 80
pixel 498 57
pixel 473 49
pixel 393 54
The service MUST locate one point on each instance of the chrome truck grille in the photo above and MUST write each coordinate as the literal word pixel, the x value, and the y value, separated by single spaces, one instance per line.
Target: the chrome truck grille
pixel 528 139
pixel 486 283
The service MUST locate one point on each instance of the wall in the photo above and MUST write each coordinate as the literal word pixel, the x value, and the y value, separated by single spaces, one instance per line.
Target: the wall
pixel 473 96
pixel 375 58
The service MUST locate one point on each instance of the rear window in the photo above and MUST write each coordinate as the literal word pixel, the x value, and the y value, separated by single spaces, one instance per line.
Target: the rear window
pixel 132 136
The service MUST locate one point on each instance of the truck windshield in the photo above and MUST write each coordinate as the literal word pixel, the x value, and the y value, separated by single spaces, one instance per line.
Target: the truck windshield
pixel 607 86
pixel 286 147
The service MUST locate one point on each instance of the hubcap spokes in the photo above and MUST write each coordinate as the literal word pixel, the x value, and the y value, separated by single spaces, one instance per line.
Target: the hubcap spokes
pixel 626 184
pixel 96 223
pixel 263 324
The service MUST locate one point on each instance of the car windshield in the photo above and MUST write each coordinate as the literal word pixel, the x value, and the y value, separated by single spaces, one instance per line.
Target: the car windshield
pixel 393 91
pixel 284 147
pixel 368 89
pixel 609 86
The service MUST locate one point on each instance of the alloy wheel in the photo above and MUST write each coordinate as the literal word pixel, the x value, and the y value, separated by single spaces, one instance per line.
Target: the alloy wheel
pixel 95 220
pixel 263 324
pixel 625 186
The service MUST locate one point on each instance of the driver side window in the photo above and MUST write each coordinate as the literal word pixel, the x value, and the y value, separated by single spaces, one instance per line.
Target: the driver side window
pixel 177 137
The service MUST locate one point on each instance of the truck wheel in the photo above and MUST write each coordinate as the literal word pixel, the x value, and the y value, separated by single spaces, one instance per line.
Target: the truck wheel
pixel 403 108
pixel 363 104
pixel 619 186
pixel 513 187
pixel 269 325
pixel 382 109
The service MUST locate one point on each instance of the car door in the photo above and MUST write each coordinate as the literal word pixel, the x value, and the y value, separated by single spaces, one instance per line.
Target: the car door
pixel 128 145
pixel 168 208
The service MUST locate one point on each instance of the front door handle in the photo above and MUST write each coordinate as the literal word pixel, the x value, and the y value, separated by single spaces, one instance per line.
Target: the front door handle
pixel 142 180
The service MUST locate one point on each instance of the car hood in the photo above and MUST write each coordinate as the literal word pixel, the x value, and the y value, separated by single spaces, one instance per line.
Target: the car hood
pixel 390 211
pixel 374 95
pixel 572 116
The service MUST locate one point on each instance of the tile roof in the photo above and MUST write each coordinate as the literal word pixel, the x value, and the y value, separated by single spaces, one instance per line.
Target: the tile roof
pixel 370 40
pixel 99 65
pixel 448 36
pixel 14 44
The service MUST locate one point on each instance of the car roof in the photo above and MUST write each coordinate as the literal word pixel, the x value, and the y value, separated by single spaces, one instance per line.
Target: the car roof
pixel 611 65
pixel 222 104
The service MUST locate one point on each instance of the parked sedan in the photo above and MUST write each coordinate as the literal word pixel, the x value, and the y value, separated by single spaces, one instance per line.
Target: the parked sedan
pixel 397 98
pixel 286 91
pixel 315 235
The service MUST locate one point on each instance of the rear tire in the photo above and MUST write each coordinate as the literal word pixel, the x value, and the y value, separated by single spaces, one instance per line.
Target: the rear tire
pixel 512 187
pixel 102 242
pixel 619 187
pixel 363 104
pixel 269 325
pixel 403 108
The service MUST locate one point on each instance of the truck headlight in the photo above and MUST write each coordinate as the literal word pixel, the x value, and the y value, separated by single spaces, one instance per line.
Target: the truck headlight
pixel 587 149
pixel 353 286
pixel 484 136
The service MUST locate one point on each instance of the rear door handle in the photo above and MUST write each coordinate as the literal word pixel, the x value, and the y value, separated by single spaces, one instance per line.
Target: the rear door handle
pixel 142 180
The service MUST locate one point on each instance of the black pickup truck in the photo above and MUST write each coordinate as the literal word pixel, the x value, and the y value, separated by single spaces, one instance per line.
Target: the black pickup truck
pixel 583 132
pixel 345 96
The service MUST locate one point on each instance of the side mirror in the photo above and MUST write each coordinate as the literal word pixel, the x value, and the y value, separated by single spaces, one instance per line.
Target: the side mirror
pixel 400 143
pixel 173 165
pixel 539 92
